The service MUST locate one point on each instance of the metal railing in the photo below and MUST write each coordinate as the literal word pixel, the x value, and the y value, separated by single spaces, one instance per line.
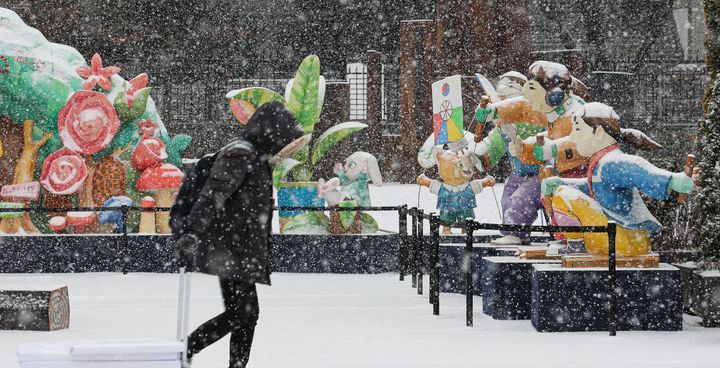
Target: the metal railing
pixel 469 227
pixel 414 243
pixel 125 211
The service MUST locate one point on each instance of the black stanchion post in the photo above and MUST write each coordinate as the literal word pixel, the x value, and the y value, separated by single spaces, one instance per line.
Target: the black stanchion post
pixel 430 268
pixel 421 252
pixel 402 231
pixel 612 310
pixel 413 239
pixel 435 271
pixel 468 264
pixel 124 254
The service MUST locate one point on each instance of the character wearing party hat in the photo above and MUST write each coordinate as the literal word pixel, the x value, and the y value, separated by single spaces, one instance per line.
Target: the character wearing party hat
pixel 456 190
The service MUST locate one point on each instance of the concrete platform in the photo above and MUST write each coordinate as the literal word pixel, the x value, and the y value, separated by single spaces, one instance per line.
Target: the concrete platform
pixel 507 286
pixel 452 272
pixel 576 299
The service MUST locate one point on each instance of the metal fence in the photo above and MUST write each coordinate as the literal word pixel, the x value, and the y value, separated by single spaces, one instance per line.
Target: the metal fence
pixel 412 250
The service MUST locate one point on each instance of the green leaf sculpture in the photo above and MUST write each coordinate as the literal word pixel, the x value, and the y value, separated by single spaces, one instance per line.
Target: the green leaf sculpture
pixel 128 114
pixel 304 99
pixel 334 135
pixel 313 221
pixel 282 169
pixel 244 102
pixel 175 147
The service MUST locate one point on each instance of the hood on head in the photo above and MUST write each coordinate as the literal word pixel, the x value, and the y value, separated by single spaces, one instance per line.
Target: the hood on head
pixel 271 128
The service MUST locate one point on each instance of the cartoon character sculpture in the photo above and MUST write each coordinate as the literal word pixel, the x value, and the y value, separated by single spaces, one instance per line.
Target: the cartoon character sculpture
pixel 448 129
pixel 350 189
pixel 521 194
pixel 358 170
pixel 456 190
pixel 613 183
pixel 548 101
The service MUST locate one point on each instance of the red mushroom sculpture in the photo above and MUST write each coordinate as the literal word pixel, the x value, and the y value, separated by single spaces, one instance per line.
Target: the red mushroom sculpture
pixel 58 224
pixel 80 220
pixel 164 180
pixel 147 218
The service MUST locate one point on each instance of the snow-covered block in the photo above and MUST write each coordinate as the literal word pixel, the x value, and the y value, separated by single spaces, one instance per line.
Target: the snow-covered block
pixel 452 271
pixel 507 286
pixel 706 297
pixel 576 299
pixel 135 353
pixel 38 308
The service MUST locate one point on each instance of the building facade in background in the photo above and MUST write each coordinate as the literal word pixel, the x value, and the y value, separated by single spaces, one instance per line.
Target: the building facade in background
pixel 647 61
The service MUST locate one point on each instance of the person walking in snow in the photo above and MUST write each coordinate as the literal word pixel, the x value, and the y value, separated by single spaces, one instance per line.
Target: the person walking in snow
pixel 227 231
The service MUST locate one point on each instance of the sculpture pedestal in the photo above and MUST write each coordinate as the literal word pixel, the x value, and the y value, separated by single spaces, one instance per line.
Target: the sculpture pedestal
pixel 452 272
pixel 576 299
pixel 507 286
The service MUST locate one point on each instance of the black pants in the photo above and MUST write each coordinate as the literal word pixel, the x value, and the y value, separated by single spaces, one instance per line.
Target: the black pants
pixel 239 319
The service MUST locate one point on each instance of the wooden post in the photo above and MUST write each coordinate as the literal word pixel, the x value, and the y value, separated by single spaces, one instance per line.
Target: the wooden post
pixel 427 77
pixel 408 98
pixel 480 36
pixel 374 102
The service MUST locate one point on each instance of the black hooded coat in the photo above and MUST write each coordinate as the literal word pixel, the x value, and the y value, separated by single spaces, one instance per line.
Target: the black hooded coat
pixel 232 216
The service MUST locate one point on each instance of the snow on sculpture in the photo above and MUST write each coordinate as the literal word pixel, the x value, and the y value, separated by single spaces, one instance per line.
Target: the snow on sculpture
pixel 304 96
pixel 88 122
pixel 350 189
pixel 79 124
pixel 521 194
pixel 548 101
pixel 613 183
pixel 456 190
pixel 64 172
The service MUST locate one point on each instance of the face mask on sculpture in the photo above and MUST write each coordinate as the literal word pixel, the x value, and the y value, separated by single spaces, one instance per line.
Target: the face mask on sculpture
pixel 534 92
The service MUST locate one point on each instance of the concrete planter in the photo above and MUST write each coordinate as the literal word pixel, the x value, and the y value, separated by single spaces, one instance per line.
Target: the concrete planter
pixel 706 297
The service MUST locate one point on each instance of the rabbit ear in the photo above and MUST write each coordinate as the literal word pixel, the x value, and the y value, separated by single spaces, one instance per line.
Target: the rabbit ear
pixel 373 170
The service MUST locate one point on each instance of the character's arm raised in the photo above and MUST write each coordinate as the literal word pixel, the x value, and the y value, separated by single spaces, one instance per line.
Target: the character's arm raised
pixel 630 171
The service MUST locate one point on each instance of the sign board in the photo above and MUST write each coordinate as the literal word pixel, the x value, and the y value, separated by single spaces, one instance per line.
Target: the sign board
pixel 21 192
pixel 447 110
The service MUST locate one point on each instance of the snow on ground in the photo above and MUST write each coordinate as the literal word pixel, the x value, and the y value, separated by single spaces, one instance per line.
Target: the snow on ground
pixel 351 321
pixel 394 194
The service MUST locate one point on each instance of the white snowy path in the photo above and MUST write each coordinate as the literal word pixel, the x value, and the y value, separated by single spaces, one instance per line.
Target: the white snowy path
pixel 351 321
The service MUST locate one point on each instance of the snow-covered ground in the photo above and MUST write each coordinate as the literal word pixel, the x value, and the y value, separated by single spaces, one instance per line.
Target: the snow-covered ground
pixel 351 321
pixel 354 321
pixel 394 194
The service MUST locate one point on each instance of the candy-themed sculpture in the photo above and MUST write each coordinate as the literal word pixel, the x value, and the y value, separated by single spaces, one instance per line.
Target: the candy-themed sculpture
pixel 68 130
pixel 456 190
pixel 521 194
pixel 613 183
